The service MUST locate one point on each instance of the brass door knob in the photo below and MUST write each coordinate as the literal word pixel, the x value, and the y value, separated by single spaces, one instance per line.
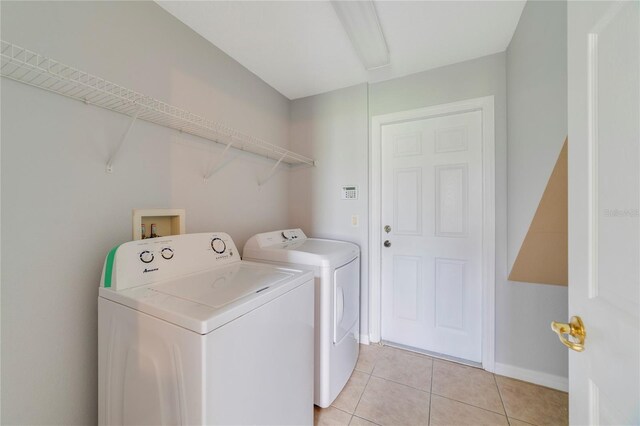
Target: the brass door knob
pixel 387 243
pixel 575 329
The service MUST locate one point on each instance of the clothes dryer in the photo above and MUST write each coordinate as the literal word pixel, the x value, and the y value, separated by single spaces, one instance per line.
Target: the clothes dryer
pixel 336 266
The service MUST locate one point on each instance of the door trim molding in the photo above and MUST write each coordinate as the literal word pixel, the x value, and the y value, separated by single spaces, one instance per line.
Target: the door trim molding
pixel 486 106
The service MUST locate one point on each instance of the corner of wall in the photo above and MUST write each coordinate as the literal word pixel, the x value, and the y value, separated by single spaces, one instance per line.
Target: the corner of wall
pixel 536 128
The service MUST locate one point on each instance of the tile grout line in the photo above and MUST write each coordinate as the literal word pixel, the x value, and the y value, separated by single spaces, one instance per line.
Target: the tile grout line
pixel 470 405
pixel 501 400
pixel 404 384
pixel 473 406
pixel 504 413
pixel 395 382
pixel 363 391
pixel 431 391
pixel 433 367
pixel 339 409
pixel 521 421
pixel 330 406
pixel 361 395
pixel 528 422
pixel 366 420
pixel 398 383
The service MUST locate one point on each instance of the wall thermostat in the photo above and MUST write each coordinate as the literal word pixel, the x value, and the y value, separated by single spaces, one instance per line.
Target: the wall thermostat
pixel 350 192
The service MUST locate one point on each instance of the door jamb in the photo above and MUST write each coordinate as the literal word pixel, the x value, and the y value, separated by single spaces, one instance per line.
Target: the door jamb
pixel 486 106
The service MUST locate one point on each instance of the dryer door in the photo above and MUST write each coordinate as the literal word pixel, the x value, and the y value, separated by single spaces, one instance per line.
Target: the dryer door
pixel 346 296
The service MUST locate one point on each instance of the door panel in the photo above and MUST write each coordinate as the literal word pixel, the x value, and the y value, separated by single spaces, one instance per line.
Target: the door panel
pixel 604 201
pixel 451 200
pixel 432 199
pixel 449 295
pixel 451 139
pixel 407 277
pixel 407 144
pixel 407 212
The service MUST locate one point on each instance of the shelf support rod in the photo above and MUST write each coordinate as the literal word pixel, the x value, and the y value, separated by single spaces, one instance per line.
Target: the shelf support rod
pixel 213 170
pixel 134 117
pixel 272 171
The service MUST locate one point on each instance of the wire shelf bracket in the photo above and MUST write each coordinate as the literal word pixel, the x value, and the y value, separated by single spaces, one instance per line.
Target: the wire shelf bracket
pixel 33 69
pixel 271 173
pixel 122 141
pixel 214 169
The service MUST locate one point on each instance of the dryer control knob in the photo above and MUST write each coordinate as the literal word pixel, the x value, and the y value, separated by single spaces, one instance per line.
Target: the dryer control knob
pixel 146 256
pixel 218 245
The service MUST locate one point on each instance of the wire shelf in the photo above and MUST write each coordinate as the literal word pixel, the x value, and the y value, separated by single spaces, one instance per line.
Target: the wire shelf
pixel 31 68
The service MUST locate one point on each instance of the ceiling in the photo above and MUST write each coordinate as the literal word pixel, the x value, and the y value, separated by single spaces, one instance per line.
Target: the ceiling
pixel 300 48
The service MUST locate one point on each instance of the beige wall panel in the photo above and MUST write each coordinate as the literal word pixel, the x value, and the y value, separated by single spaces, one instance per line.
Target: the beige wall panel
pixel 543 254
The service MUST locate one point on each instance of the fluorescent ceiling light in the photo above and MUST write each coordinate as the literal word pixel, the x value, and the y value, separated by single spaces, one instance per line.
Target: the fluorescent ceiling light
pixel 360 21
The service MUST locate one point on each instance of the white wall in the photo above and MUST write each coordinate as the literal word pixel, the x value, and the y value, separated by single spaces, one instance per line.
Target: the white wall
pixel 332 129
pixel 61 212
pixel 537 127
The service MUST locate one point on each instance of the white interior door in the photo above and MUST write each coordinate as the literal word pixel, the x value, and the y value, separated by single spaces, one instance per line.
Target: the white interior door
pixel 432 203
pixel 604 231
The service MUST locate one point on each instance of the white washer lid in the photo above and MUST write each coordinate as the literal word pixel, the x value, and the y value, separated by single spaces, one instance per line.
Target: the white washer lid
pixel 308 251
pixel 206 300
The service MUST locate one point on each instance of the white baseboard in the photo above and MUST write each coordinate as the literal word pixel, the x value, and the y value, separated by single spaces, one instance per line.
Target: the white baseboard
pixel 364 339
pixel 532 376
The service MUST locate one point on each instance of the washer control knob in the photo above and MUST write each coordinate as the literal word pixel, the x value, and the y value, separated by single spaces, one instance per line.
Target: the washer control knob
pixel 218 245
pixel 146 256
pixel 166 253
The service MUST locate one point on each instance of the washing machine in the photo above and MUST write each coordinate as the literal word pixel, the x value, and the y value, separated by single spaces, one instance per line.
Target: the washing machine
pixel 336 266
pixel 190 335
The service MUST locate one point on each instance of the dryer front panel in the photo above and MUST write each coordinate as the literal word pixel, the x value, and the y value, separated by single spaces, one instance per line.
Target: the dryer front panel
pixel 346 297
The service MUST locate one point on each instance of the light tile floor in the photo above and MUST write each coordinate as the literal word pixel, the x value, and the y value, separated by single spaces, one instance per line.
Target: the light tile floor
pixel 396 387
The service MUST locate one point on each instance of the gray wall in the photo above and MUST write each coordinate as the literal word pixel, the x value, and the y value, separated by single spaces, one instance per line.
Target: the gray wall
pixel 61 212
pixel 537 127
pixel 60 207
pixel 329 126
pixel 333 129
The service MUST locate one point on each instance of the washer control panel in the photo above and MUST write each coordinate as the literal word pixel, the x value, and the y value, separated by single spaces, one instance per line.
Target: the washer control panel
pixel 146 261
pixel 146 256
pixel 218 245
pixel 167 253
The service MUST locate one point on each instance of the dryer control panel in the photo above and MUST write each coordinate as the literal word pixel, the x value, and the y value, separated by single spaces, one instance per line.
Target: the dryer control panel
pixel 278 237
pixel 151 260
